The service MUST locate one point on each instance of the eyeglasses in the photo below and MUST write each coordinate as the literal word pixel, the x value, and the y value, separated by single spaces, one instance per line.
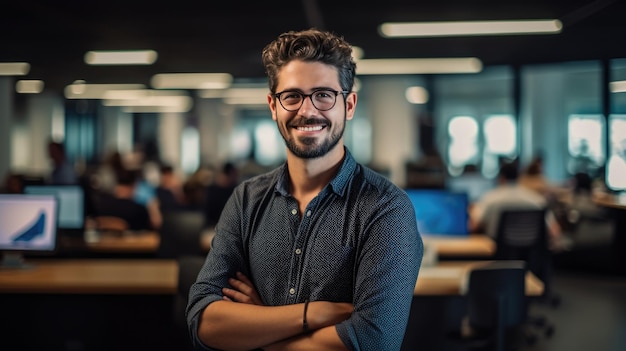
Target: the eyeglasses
pixel 323 100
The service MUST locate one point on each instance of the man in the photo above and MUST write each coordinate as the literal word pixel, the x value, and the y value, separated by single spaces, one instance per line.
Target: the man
pixel 510 194
pixel 62 171
pixel 321 253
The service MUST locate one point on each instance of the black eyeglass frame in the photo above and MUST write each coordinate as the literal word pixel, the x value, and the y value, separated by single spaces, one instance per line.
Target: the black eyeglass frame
pixel 310 96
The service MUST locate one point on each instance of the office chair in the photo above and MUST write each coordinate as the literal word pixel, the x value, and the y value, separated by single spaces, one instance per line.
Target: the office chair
pixel 188 268
pixel 496 307
pixel 522 235
pixel 180 234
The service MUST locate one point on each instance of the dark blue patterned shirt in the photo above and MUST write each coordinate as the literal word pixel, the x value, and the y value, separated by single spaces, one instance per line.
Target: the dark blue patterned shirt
pixel 356 242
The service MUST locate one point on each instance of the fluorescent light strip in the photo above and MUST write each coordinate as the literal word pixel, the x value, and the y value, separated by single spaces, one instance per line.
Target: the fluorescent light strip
pixel 234 96
pixel 96 91
pixel 439 29
pixel 29 86
pixel 618 86
pixel 121 57
pixel 419 66
pixel 14 68
pixel 191 80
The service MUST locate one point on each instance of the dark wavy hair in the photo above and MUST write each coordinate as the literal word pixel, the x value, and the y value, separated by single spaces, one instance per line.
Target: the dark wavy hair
pixel 311 45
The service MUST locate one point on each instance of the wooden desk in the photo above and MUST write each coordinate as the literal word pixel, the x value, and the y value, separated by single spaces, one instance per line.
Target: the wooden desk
pixel 154 276
pixel 92 276
pixel 450 278
pixel 144 242
pixel 474 245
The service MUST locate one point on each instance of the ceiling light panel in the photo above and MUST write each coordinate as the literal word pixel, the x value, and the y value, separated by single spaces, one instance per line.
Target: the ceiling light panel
pixel 460 28
pixel 121 57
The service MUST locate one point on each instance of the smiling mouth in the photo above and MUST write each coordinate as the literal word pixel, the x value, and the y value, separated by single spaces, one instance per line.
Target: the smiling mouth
pixel 310 128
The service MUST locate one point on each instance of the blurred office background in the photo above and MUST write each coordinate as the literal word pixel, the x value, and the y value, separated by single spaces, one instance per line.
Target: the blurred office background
pixel 555 95
pixel 559 96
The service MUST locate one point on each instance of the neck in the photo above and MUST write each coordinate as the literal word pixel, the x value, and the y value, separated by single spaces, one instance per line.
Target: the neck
pixel 309 176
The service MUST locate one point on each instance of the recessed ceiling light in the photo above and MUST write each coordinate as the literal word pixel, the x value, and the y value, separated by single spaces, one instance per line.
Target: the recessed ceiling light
pixel 419 66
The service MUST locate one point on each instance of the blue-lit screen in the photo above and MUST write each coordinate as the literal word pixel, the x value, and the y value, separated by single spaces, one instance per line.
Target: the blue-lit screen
pixel 440 212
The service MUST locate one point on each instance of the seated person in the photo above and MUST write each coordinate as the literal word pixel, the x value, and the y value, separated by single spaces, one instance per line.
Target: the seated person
pixel 509 194
pixel 169 192
pixel 121 203
pixel 218 193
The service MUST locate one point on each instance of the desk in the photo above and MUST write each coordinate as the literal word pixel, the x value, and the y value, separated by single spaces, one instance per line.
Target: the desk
pixel 92 276
pixel 474 245
pixel 450 278
pixel 154 276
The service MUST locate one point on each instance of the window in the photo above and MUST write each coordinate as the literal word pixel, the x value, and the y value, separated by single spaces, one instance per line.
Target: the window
pixel 463 147
pixel 585 143
pixel 616 165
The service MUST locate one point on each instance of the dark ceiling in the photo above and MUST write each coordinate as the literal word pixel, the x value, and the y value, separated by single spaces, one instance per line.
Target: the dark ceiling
pixel 227 36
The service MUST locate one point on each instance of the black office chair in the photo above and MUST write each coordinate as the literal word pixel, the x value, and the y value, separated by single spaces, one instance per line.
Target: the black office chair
pixel 496 307
pixel 522 235
pixel 188 268
pixel 180 234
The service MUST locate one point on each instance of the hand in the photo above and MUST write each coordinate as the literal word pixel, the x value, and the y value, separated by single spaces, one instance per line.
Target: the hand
pixel 242 290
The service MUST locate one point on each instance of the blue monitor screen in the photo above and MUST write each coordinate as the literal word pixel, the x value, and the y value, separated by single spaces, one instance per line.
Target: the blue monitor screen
pixel 440 212
pixel 71 202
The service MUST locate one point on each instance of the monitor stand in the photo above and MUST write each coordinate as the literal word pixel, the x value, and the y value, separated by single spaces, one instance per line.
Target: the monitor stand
pixel 14 260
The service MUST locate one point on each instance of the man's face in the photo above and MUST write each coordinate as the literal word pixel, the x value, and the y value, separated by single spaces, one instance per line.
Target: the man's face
pixel 307 131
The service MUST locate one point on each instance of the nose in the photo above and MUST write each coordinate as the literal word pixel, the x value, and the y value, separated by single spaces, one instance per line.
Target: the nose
pixel 307 106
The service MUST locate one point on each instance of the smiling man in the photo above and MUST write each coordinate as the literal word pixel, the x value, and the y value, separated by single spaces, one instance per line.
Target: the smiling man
pixel 321 253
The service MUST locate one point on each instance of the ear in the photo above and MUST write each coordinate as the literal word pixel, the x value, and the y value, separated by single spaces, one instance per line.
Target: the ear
pixel 351 99
pixel 271 102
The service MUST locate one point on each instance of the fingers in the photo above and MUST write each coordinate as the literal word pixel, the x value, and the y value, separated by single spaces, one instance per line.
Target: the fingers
pixel 242 290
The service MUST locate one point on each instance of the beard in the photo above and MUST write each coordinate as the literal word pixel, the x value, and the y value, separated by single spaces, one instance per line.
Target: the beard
pixel 308 147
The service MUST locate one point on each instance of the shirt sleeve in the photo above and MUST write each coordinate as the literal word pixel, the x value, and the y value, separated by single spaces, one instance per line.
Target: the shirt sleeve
pixel 386 273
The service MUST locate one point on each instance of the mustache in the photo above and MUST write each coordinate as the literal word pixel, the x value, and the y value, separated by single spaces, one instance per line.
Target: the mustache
pixel 308 121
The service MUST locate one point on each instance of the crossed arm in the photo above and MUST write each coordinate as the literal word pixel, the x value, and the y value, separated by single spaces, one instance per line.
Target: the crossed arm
pixel 241 322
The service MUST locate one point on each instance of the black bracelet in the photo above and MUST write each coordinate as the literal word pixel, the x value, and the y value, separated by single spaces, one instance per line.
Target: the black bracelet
pixel 305 324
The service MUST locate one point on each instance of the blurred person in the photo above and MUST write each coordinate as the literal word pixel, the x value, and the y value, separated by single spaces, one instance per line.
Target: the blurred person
pixel 120 203
pixel 63 172
pixel 218 192
pixel 509 194
pixel 169 192
pixel 321 253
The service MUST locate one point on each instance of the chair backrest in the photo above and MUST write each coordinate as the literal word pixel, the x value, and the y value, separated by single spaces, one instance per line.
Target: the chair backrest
pixel 496 299
pixel 522 235
pixel 188 268
pixel 180 234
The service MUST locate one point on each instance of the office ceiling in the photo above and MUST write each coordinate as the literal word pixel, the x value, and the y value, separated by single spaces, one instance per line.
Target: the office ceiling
pixel 227 36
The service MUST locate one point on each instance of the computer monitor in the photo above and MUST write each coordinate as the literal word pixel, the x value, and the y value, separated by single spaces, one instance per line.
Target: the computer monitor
pixel 28 224
pixel 440 212
pixel 71 204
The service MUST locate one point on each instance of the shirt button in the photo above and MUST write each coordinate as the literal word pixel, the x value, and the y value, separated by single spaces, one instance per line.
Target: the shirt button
pixel 294 212
pixel 298 251
pixel 308 213
pixel 292 291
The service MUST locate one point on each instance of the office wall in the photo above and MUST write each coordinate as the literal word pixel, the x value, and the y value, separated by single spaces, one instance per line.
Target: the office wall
pixel 6 125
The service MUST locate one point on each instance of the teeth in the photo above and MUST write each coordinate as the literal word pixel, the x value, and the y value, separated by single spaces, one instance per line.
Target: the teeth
pixel 310 129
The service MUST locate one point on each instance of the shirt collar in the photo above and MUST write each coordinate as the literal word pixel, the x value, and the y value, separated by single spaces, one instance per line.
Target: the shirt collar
pixel 338 184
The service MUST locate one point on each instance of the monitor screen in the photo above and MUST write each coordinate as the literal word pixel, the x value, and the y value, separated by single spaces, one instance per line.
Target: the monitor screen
pixel 28 223
pixel 71 202
pixel 440 212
